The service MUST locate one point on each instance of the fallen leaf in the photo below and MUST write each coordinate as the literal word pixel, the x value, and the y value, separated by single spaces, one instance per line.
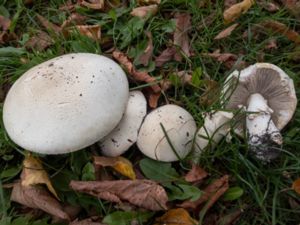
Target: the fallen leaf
pixel 74 19
pixel 211 92
pixel 91 31
pixel 147 54
pixel 48 25
pixel 34 173
pixel 236 10
pixel 269 6
pixel 227 32
pixel 165 56
pixel 293 6
pixel 144 11
pixel 40 41
pixel 230 218
pixel 120 164
pixel 137 75
pixel 228 59
pixel 143 193
pixel 153 99
pixel 38 198
pixel 210 194
pixel 296 186
pixel 148 2
pixel 181 38
pixel 4 23
pixel 271 44
pixel 95 220
pixel 93 4
pixel 176 217
pixel 196 174
pixel 183 77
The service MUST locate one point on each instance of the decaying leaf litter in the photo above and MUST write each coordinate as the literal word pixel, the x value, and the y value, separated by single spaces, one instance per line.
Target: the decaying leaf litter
pixel 172 63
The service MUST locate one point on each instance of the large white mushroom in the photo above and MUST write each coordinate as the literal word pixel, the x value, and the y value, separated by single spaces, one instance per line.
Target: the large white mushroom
pixel 268 95
pixel 179 127
pixel 125 134
pixel 66 103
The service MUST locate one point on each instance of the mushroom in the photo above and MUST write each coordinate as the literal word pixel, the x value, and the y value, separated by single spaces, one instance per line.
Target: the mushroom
pixel 125 134
pixel 179 127
pixel 66 103
pixel 216 126
pixel 268 95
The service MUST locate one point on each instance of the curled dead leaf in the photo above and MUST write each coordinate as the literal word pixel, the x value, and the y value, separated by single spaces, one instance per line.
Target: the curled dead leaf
pixel 196 174
pixel 147 54
pixel 165 56
pixel 176 217
pixel 144 11
pixel 184 77
pixel 269 6
pixel 143 193
pixel 119 164
pixel 153 99
pixel 227 32
pixel 91 31
pixel 38 198
pixel 136 75
pixel 296 186
pixel 93 4
pixel 148 2
pixel 40 41
pixel 33 173
pixel 211 194
pixel 236 10
pixel 74 19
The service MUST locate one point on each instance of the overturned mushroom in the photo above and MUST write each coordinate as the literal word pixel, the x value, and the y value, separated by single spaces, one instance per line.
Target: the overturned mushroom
pixel 216 126
pixel 66 103
pixel 125 134
pixel 268 95
pixel 179 127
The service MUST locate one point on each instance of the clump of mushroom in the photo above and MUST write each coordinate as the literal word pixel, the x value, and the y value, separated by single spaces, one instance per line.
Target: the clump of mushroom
pixel 66 103
pixel 125 134
pixel 216 126
pixel 167 133
pixel 268 95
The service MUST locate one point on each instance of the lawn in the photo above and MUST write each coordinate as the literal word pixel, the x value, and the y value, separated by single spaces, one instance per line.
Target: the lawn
pixel 258 193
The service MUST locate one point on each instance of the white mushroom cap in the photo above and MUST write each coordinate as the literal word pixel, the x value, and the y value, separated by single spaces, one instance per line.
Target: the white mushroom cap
pixel 125 134
pixel 179 126
pixel 66 103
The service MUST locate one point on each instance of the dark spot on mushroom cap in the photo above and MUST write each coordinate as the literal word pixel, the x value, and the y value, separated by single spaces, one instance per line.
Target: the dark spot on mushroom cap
pixel 180 117
pixel 80 94
pixel 73 57
pixel 187 134
pixel 51 64
pixel 129 140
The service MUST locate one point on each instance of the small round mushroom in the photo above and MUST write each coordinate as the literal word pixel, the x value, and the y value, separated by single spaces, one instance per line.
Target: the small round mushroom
pixel 179 126
pixel 125 134
pixel 216 126
pixel 66 103
pixel 268 95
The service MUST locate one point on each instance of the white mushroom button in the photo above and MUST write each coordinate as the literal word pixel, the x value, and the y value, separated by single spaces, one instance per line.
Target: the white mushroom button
pixel 125 134
pixel 180 128
pixel 268 94
pixel 216 126
pixel 66 103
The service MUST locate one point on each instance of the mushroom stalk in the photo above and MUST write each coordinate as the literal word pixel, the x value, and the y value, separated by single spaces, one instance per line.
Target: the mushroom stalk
pixel 261 129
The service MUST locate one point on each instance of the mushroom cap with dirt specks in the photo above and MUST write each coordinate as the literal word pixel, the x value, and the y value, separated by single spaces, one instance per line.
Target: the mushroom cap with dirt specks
pixel 125 134
pixel 66 103
pixel 271 82
pixel 180 128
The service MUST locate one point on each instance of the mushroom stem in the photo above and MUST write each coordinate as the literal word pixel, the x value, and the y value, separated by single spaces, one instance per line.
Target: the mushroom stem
pixel 215 127
pixel 261 130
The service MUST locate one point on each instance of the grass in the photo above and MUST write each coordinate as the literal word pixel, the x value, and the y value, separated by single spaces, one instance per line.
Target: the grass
pixel 267 195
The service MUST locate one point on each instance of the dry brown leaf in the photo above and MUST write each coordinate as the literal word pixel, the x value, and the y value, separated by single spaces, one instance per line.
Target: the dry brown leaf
pixel 38 198
pixel 293 6
pixel 95 220
pixel 176 217
pixel 225 33
pixel 136 75
pixel 185 77
pixel 148 2
pixel 48 25
pixel 211 92
pixel 236 10
pixel 93 4
pixel 74 19
pixel 147 54
pixel 119 164
pixel 211 194
pixel 4 23
pixel 269 6
pixel 296 186
pixel 144 11
pixel 91 31
pixel 153 99
pixel 34 173
pixel 196 174
pixel 166 56
pixel 180 37
pixel 271 44
pixel 143 193
pixel 40 41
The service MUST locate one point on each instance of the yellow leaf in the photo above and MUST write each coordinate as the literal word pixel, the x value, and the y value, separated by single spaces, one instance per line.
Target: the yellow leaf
pixel 119 164
pixel 296 186
pixel 176 217
pixel 237 10
pixel 34 173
